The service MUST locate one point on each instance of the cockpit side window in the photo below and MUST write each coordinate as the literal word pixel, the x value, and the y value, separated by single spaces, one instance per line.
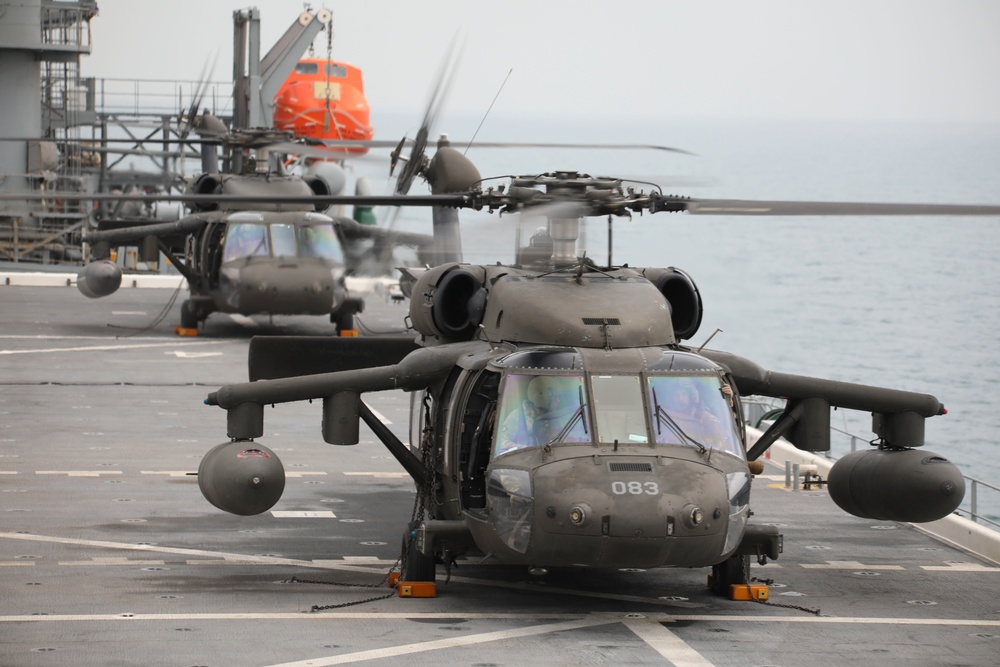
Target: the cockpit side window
pixel 245 240
pixel 693 411
pixel 537 410
pixel 618 409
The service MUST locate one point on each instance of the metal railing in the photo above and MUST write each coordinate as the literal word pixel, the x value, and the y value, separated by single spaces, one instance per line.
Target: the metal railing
pixel 144 97
pixel 758 409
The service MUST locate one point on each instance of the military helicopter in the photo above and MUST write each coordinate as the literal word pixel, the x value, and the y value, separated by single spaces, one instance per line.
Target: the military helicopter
pixel 559 418
pixel 273 257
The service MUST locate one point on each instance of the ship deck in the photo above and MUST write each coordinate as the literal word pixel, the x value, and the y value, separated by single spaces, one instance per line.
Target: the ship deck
pixel 109 555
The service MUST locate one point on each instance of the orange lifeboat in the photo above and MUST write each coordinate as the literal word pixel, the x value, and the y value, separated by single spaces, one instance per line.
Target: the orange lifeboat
pixel 323 99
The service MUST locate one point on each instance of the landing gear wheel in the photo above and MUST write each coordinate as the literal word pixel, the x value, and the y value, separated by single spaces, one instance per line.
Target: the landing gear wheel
pixel 189 315
pixel 733 570
pixel 344 322
pixel 416 566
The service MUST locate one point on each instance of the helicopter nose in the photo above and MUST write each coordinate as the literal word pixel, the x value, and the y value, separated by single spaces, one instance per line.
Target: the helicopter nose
pixel 644 510
pixel 288 287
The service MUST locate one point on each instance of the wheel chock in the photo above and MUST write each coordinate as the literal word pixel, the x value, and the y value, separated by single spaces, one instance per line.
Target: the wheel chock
pixel 412 589
pixel 184 331
pixel 747 592
pixel 417 589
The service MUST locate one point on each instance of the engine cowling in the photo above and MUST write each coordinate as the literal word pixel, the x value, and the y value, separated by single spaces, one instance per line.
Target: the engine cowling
pixel 206 184
pixel 241 477
pixel 448 301
pixel 896 485
pixel 99 278
pixel 682 294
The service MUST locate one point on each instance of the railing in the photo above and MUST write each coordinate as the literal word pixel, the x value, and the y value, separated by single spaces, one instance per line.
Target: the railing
pixel 65 24
pixel 758 410
pixel 144 97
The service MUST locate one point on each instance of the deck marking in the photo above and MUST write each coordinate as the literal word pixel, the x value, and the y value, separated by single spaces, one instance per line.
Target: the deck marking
pixel 403 615
pixel 181 354
pixel 292 514
pixel 99 348
pixel 848 565
pixel 170 473
pixel 281 616
pixel 452 642
pixel 379 475
pixel 666 643
pixel 587 594
pixel 111 560
pixel 228 558
pixel 79 473
pixel 194 473
pixel 960 567
pixel 16 563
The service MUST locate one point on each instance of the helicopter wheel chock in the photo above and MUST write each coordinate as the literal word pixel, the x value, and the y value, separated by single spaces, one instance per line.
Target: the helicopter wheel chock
pixel 418 573
pixel 343 317
pixel 734 571
pixel 189 319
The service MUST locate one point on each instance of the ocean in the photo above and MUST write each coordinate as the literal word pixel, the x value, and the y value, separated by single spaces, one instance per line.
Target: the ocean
pixel 904 302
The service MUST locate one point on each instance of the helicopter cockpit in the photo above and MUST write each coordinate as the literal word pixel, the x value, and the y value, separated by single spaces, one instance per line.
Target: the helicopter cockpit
pixel 538 408
pixel 247 235
pixel 280 262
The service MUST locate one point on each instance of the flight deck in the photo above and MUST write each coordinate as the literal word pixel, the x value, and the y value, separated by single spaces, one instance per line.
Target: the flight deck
pixel 109 554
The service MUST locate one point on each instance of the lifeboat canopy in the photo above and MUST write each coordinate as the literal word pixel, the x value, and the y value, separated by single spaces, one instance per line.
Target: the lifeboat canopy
pixel 324 99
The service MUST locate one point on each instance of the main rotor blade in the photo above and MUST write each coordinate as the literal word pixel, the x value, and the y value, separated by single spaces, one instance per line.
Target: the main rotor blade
pixel 807 208
pixel 415 163
pixel 519 198
pixel 456 200
pixel 385 143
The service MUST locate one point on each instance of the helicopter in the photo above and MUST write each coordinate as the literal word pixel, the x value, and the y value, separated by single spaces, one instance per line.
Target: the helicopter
pixel 274 258
pixel 559 418
pixel 264 258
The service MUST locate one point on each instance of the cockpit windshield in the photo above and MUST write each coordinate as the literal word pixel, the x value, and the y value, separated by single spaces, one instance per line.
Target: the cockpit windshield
pixel 642 409
pixel 618 408
pixel 693 411
pixel 282 240
pixel 538 410
pixel 246 240
pixel 320 241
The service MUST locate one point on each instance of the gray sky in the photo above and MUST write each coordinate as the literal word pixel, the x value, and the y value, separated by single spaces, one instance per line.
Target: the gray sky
pixel 845 59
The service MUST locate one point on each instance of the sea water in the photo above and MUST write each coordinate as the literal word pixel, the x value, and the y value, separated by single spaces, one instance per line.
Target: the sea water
pixel 905 302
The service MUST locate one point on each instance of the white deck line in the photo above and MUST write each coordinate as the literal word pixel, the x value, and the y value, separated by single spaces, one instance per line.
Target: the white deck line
pixel 47 279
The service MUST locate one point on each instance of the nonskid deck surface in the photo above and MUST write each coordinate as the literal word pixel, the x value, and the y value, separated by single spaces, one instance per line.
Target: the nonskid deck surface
pixel 110 555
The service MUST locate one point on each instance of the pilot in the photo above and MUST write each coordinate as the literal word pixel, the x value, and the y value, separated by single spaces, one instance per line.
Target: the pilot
pixel 550 403
pixel 556 401
pixel 685 406
pixel 308 242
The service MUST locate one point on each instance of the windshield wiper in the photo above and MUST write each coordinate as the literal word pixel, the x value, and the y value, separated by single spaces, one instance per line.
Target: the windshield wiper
pixel 570 423
pixel 663 418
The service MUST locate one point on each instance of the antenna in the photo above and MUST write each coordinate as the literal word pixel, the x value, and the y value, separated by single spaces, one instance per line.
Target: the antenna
pixel 482 327
pixel 708 340
pixel 609 243
pixel 474 134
